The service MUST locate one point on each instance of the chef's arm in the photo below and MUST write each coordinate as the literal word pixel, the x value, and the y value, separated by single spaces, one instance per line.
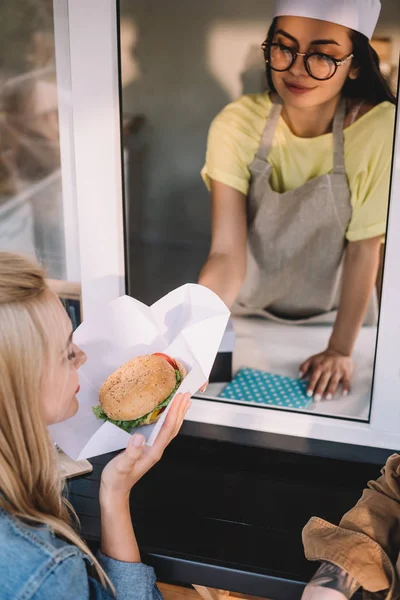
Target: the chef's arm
pixel 361 267
pixel 225 268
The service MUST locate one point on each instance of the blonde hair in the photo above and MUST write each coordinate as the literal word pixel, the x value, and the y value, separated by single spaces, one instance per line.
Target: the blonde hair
pixel 30 483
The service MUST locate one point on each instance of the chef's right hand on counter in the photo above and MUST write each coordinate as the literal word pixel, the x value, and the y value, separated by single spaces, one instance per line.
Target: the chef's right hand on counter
pixel 326 372
pixel 334 367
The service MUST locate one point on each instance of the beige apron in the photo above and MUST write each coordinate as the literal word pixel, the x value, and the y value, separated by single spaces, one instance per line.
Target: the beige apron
pixel 297 240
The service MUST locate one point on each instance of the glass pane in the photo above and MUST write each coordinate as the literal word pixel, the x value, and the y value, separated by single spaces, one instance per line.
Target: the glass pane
pixel 180 66
pixel 32 212
pixel 30 144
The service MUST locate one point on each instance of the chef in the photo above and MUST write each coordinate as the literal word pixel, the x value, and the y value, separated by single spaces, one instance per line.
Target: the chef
pixel 299 179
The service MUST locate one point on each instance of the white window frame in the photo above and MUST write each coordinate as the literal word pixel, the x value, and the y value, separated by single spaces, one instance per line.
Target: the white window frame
pixel 92 183
pixel 86 39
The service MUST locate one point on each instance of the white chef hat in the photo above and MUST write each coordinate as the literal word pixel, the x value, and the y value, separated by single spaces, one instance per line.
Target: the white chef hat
pixel 360 15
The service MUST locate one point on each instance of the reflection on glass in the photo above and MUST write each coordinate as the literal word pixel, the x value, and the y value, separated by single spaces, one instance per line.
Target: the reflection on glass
pixel 282 320
pixel 31 210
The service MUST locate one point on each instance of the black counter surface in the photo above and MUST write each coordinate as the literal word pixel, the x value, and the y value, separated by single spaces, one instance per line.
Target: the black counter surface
pixel 225 510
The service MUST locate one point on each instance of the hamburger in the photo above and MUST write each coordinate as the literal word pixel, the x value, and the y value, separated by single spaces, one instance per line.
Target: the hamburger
pixel 139 391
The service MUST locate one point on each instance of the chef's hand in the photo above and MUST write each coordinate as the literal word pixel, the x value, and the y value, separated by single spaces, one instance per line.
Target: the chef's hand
pixel 121 474
pixel 326 372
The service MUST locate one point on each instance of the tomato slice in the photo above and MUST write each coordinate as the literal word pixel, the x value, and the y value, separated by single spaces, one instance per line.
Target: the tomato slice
pixel 168 359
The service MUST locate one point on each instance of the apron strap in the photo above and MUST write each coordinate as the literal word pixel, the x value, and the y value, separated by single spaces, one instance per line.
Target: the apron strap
pixel 269 131
pixel 356 112
pixel 339 166
pixel 338 135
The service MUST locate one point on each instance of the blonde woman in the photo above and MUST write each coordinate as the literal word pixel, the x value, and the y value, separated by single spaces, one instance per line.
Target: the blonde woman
pixel 41 554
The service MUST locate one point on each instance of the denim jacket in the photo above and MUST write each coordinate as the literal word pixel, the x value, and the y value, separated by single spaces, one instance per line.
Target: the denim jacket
pixel 35 564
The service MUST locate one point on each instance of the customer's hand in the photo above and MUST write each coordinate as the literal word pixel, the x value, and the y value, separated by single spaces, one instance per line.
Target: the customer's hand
pixel 313 593
pixel 204 387
pixel 330 582
pixel 326 372
pixel 121 474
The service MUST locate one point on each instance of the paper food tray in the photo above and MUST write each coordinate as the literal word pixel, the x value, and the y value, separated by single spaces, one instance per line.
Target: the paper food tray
pixel 187 324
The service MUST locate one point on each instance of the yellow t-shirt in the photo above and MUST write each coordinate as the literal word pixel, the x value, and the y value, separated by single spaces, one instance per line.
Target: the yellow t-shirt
pixel 235 136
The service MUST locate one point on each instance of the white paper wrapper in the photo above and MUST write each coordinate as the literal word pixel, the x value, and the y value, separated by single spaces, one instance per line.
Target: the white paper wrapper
pixel 187 324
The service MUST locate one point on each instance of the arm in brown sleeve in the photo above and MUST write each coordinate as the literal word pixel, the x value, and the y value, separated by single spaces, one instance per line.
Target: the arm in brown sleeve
pixel 367 542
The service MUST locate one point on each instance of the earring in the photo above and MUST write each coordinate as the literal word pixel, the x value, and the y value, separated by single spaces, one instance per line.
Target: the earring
pixel 353 75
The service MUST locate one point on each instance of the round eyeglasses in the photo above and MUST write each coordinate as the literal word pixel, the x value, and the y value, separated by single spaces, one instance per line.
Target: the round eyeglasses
pixel 318 65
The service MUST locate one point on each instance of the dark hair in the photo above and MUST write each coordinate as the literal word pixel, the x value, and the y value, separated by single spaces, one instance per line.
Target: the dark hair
pixel 371 85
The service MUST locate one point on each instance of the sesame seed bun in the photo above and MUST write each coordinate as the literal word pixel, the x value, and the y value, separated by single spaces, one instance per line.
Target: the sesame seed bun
pixel 138 387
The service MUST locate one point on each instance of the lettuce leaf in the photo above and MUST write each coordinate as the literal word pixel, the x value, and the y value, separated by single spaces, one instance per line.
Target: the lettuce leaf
pixel 125 425
pixel 129 425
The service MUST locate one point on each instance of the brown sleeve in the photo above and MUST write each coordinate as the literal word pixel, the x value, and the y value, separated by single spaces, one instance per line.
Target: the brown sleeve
pixel 367 541
pixel 377 514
